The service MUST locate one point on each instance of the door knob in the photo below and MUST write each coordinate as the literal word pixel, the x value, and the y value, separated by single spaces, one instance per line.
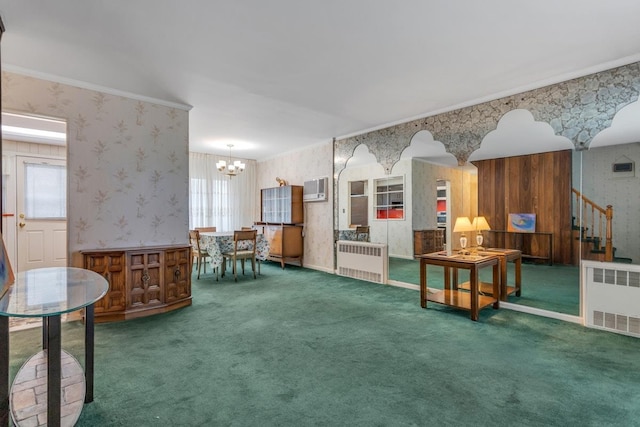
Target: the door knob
pixel 22 224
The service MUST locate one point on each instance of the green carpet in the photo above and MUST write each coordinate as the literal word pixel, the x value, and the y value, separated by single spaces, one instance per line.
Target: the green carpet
pixel 298 347
pixel 554 288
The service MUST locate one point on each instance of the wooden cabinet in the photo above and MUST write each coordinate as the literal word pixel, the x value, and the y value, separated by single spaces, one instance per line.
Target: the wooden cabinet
pixel 282 215
pixel 428 241
pixel 142 281
pixel 285 242
pixel 177 274
pixel 144 268
pixel 111 265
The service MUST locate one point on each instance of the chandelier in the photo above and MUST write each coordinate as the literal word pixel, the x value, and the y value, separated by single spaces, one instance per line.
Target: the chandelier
pixel 230 168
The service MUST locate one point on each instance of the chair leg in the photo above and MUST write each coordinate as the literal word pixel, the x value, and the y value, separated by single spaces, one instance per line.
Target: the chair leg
pixel 235 269
pixel 223 266
pixel 242 263
pixel 253 267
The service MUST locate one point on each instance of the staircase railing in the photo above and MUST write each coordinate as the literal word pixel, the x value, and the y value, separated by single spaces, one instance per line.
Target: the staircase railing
pixel 595 218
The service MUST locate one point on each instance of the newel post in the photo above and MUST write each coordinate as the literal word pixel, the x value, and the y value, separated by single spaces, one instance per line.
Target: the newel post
pixel 608 249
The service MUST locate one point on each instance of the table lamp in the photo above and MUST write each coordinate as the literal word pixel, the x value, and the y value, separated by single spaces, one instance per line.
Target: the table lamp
pixel 479 224
pixel 462 224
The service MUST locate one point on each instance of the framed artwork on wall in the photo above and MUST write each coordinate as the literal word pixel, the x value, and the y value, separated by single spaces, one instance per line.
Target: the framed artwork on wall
pixel 522 222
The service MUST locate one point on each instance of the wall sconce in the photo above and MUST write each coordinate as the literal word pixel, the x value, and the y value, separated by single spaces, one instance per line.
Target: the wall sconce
pixel 462 224
pixel 480 224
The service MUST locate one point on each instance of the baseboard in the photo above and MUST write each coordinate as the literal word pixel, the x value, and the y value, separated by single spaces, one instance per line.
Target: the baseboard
pixel 320 268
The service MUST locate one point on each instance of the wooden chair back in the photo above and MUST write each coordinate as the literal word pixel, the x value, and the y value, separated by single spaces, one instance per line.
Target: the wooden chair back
pixel 245 235
pixel 362 229
pixel 206 229
pixel 362 232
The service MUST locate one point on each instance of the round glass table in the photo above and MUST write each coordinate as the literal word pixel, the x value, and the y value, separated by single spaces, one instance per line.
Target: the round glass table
pixel 48 293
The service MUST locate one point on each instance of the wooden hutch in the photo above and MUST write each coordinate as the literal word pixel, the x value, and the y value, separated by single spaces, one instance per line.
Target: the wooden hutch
pixel 281 220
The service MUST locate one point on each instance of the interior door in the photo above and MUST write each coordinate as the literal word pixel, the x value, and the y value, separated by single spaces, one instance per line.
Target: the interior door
pixel 42 212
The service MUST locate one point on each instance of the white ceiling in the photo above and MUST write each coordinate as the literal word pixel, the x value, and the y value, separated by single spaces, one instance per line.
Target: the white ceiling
pixel 273 76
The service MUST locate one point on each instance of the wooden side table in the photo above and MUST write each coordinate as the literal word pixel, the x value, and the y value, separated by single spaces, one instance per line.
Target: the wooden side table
pixel 508 255
pixel 505 255
pixel 454 296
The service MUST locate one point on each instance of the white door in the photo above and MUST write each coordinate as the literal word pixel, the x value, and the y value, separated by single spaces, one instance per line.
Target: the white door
pixel 42 212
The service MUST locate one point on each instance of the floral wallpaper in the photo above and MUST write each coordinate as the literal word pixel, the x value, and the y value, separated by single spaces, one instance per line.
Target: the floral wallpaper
pixel 297 167
pixel 128 163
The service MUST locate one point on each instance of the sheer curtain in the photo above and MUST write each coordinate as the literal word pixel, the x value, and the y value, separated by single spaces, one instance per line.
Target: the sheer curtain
pixel 215 200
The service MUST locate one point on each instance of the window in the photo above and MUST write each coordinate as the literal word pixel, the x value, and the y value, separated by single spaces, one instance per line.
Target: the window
pixel 358 203
pixel 45 191
pixel 389 198
pixel 209 199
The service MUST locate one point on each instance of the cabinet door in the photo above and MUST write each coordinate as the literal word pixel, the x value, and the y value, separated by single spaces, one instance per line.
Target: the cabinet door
pixel 177 280
pixel 292 241
pixel 145 274
pixel 112 267
pixel 274 235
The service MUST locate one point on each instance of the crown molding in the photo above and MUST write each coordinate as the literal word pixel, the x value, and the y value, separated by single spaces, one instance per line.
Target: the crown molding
pixel 91 86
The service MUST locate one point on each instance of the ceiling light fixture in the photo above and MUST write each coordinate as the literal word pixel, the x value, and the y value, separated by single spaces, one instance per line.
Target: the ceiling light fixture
pixel 230 168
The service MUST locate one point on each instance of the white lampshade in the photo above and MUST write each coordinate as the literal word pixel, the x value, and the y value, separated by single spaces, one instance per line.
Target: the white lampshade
pixel 462 224
pixel 480 223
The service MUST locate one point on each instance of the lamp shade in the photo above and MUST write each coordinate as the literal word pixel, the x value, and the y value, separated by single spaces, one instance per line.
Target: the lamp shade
pixel 462 224
pixel 480 223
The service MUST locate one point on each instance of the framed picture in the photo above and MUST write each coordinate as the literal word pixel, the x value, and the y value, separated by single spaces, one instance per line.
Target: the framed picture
pixel 522 222
pixel 6 272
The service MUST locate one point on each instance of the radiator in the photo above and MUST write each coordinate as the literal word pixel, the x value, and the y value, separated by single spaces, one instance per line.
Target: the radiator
pixel 612 297
pixel 363 260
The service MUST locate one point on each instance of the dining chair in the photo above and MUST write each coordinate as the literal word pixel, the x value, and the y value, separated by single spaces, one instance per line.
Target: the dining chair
pixel 240 239
pixel 362 230
pixel 246 228
pixel 206 229
pixel 198 253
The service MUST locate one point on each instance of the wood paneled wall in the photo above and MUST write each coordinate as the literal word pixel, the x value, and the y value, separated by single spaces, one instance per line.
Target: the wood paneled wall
pixel 535 183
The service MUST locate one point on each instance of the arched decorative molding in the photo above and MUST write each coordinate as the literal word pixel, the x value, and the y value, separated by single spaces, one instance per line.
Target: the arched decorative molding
pixel 577 109
pixel 519 125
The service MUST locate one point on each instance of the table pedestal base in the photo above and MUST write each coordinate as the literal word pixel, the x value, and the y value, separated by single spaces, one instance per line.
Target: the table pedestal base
pixel 28 398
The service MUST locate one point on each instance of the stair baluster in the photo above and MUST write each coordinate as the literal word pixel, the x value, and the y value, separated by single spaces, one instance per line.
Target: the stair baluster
pixel 605 217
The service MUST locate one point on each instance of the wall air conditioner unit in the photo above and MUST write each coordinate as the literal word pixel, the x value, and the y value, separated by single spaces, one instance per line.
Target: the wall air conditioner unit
pixel 315 190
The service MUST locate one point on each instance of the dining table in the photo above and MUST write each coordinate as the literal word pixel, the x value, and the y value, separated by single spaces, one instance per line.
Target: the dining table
pixel 219 242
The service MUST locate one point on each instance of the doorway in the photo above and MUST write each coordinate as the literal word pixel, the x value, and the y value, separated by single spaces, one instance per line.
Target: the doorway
pixel 34 201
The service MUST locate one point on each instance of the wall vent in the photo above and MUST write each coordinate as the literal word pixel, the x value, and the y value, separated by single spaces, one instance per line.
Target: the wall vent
pixel 612 297
pixel 363 260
